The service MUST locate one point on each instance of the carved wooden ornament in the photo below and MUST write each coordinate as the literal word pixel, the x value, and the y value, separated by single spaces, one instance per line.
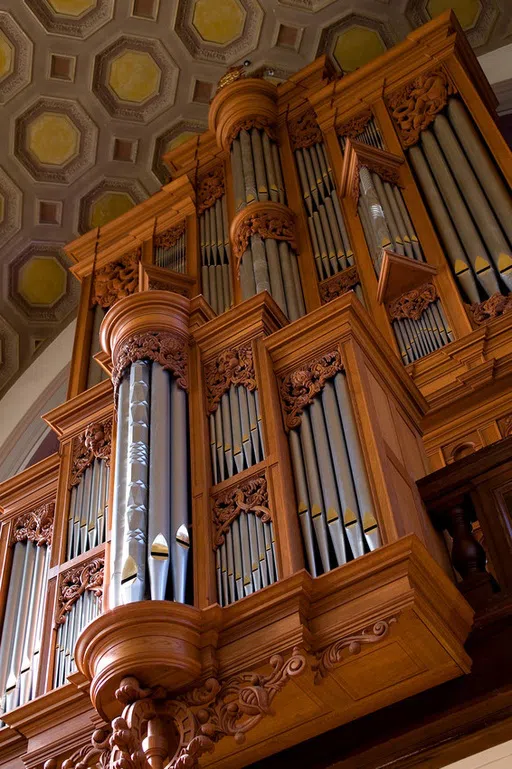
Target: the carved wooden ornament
pixel 416 105
pixel 268 220
pixel 234 366
pixel 299 387
pixel 354 127
pixel 35 526
pixel 328 658
pixel 170 237
pixel 202 717
pixel 210 188
pixel 338 284
pixel 251 496
pixel 94 443
pixel 496 305
pixel 304 131
pixel 74 583
pixel 164 347
pixel 252 121
pixel 95 755
pixel 413 303
pixel 116 280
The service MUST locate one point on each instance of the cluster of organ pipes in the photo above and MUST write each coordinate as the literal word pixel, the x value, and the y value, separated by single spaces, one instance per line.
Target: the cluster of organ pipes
pixel 216 277
pixel 468 201
pixel 85 609
pixel 20 643
pixel 172 257
pixel 369 134
pixel 88 510
pixel 150 536
pixel 236 438
pixel 334 500
pixel 266 264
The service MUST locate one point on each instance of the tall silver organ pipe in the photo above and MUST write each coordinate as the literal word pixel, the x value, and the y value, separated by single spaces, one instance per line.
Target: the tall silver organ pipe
pixel 334 502
pixel 170 249
pixel 265 265
pixel 362 129
pixel 88 509
pixel 216 277
pixel 468 200
pixel 20 642
pixel 150 526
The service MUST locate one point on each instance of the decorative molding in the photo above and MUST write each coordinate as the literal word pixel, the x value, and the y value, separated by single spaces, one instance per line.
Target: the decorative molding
pixel 332 655
pixel 170 237
pixel 268 220
pixel 201 717
pixel 252 121
pixel 35 526
pixel 338 284
pixel 210 188
pixel 234 366
pixel 304 131
pixel 95 442
pixel 354 127
pixel 413 303
pixel 496 305
pixel 95 755
pixel 298 388
pixel 117 279
pixel 74 583
pixel 251 496
pixel 163 347
pixel 415 106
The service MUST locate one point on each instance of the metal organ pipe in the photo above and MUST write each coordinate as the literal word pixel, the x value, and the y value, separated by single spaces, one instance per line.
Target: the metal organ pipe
pixel 216 256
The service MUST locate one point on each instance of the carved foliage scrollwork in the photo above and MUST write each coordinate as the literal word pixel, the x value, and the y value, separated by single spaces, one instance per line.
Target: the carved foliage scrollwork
pixel 75 582
pixel 277 223
pixel 251 496
pixel 304 131
pixel 95 755
pixel 328 658
pixel 252 121
pixel 117 279
pixel 496 305
pixel 201 717
pixel 94 442
pixel 338 284
pixel 416 105
pixel 170 237
pixel 299 387
pixel 234 366
pixel 164 347
pixel 413 303
pixel 210 188
pixel 35 526
pixel 354 127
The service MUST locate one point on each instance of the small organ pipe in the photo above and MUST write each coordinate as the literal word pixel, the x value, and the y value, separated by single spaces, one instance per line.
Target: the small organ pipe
pixel 259 164
pixel 238 175
pixel 269 168
pixel 248 167
pixel 315 489
pixel 116 546
pixel 237 547
pixel 276 278
pixel 11 610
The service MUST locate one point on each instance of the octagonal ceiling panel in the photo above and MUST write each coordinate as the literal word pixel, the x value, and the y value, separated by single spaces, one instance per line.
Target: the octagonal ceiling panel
pixel 107 200
pixel 173 137
pixel 477 17
pixel 10 207
pixel 74 18
pixel 15 57
pixel 355 40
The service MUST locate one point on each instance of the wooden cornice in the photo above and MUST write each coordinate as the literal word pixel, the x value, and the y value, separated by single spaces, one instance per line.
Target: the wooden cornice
pixel 47 711
pixel 72 416
pixel 35 485
pixel 197 155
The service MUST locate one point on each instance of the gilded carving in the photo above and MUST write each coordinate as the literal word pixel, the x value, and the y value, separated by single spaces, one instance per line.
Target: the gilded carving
pixel 496 305
pixel 416 105
pixel 170 237
pixel 328 658
pixel 304 131
pixel 75 582
pixel 210 188
pixel 233 74
pixel 274 222
pixel 201 717
pixel 354 127
pixel 164 347
pixel 234 366
pixel 338 284
pixel 252 121
pixel 35 526
pixel 299 387
pixel 94 443
pixel 413 303
pixel 251 496
pixel 117 279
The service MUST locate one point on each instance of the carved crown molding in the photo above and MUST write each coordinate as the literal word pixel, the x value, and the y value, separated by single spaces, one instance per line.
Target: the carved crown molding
pixel 94 443
pixel 75 582
pixel 252 121
pixel 352 128
pixel 338 284
pixel 304 131
pixel 328 658
pixel 298 388
pixel 117 279
pixel 164 347
pixel 496 305
pixel 413 303
pixel 234 366
pixel 170 237
pixel 96 755
pixel 201 717
pixel 35 526
pixel 210 188
pixel 251 496
pixel 416 105
pixel 266 219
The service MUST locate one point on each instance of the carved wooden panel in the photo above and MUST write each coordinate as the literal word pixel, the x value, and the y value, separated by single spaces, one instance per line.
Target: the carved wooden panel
pixel 35 526
pixel 250 496
pixel 299 387
pixel 234 366
pixel 94 442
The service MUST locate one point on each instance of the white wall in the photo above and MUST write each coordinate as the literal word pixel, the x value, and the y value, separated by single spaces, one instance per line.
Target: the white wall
pixel 499 757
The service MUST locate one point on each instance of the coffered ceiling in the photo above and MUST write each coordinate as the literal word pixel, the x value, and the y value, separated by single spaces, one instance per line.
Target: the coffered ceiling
pixel 93 92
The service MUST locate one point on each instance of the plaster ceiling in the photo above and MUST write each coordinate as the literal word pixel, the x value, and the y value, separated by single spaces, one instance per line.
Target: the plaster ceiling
pixel 93 92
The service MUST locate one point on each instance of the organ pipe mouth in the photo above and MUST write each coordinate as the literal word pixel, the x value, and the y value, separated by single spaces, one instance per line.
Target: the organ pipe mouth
pixel 182 536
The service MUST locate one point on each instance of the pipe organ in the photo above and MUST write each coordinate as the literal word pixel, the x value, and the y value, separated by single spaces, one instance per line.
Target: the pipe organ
pixel 270 353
